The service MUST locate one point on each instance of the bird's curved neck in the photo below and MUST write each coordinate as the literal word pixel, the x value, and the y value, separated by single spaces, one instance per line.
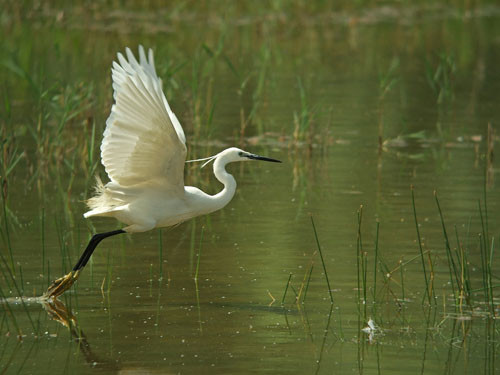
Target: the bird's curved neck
pixel 223 197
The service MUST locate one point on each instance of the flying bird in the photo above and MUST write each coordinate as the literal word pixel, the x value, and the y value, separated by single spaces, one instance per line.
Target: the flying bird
pixel 143 152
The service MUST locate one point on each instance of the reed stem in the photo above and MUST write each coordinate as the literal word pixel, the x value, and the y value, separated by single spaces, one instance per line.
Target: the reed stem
pixel 286 289
pixel 322 260
pixel 419 239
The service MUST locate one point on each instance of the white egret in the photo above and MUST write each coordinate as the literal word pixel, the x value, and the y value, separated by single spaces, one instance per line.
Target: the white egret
pixel 143 152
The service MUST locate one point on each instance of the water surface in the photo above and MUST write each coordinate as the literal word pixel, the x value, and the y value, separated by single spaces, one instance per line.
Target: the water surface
pixel 360 103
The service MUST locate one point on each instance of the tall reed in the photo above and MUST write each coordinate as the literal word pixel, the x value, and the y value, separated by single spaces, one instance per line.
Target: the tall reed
pixel 428 292
pixel 452 268
pixel 359 260
pixel 322 260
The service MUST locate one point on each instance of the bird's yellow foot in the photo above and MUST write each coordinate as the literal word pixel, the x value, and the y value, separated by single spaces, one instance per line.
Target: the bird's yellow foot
pixel 61 285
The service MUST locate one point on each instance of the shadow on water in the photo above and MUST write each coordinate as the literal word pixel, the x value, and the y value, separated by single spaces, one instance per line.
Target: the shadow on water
pixel 58 312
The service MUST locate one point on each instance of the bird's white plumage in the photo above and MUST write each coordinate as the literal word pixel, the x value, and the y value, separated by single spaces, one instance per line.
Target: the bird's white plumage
pixel 143 139
pixel 143 152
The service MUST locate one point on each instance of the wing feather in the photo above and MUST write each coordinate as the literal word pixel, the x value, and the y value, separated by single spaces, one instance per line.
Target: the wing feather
pixel 143 139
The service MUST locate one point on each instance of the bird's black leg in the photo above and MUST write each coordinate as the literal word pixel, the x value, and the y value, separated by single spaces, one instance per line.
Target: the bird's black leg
pixel 94 241
pixel 62 284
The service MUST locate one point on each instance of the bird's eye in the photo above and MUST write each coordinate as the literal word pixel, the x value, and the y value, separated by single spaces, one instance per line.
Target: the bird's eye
pixel 241 154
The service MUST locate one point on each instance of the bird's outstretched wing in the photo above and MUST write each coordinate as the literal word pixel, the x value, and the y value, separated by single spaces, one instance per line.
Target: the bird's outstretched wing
pixel 143 139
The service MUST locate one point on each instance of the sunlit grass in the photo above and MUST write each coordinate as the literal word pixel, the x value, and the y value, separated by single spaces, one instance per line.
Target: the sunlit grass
pixel 57 142
pixel 65 156
pixel 467 302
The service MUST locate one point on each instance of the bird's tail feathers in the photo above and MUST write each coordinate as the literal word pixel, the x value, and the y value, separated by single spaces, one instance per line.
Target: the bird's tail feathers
pixel 99 193
pixel 103 198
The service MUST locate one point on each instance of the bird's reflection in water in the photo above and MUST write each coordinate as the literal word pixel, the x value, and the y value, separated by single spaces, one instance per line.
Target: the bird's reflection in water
pixel 58 311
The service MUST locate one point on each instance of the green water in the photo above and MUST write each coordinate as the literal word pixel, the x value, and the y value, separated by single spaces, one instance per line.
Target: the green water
pixel 360 102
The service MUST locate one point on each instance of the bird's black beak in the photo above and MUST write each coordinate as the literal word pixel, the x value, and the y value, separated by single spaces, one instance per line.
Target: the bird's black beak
pixel 263 158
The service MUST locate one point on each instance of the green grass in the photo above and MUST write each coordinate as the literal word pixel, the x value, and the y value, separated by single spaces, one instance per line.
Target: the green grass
pixel 322 260
pixel 467 301
pixel 286 289
pixel 359 263
pixel 58 141
pixel 428 291
pixel 308 282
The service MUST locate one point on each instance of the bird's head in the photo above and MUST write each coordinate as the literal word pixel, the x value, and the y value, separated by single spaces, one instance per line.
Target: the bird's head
pixel 234 154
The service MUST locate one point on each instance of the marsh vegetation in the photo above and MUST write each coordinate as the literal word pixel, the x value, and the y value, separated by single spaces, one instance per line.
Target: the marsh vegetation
pixel 371 249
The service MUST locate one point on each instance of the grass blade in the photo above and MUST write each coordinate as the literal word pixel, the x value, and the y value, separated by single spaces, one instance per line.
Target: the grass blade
pixel 322 260
pixel 419 239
